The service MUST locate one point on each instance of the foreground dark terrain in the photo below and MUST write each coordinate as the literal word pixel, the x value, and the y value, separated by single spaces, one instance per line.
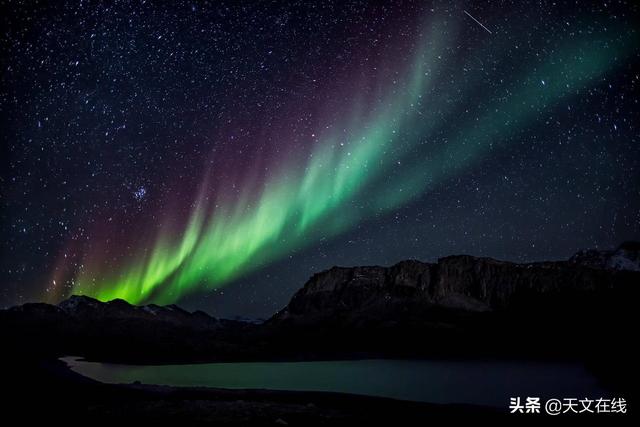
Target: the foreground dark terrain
pixel 46 391
pixel 583 309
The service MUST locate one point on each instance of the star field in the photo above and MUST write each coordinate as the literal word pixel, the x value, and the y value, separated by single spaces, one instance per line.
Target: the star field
pixel 144 133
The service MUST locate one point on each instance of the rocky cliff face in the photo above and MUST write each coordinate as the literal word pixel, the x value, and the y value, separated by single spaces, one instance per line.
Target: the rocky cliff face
pixel 625 257
pixel 461 306
pixel 461 283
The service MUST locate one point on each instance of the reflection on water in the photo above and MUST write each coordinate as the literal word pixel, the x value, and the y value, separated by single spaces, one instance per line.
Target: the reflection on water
pixel 474 382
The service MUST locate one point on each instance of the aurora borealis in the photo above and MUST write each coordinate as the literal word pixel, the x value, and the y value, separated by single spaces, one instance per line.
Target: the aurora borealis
pixel 241 143
pixel 220 243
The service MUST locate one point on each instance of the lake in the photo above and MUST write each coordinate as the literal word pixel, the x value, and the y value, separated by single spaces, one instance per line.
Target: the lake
pixel 489 383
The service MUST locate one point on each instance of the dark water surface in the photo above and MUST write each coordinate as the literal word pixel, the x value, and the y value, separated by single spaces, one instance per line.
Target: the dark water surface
pixel 474 382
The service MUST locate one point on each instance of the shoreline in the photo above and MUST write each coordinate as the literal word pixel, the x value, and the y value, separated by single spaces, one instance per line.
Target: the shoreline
pixel 50 383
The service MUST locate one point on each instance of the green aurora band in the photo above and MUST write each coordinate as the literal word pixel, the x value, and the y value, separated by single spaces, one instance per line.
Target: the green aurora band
pixel 340 186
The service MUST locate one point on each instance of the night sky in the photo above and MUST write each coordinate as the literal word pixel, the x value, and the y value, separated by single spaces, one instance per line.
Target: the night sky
pixel 217 154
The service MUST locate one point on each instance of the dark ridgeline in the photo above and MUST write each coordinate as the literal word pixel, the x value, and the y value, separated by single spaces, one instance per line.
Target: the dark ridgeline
pixel 467 306
pixel 461 306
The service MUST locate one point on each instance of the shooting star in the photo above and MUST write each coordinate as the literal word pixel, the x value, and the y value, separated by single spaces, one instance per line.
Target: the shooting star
pixel 478 22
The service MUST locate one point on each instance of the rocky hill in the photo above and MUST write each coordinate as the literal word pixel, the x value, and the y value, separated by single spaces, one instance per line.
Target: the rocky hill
pixel 462 283
pixel 117 330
